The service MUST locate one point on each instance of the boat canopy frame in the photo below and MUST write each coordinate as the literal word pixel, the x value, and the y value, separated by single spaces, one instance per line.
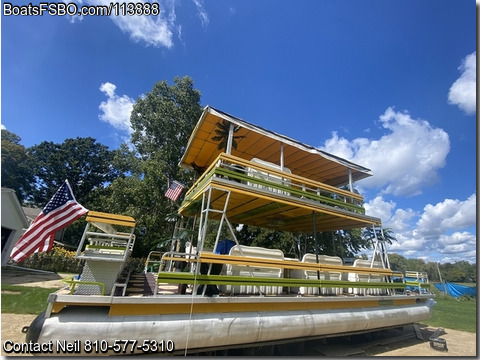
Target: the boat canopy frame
pixel 255 141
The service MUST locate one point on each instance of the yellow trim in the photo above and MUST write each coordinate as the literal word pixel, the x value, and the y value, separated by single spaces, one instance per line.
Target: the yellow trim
pixel 114 219
pixel 298 179
pixel 74 283
pixel 206 257
pixel 295 178
pixel 229 307
pixel 294 202
pixel 262 304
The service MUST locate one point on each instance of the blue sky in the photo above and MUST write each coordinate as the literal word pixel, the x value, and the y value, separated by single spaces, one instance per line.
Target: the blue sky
pixel 387 84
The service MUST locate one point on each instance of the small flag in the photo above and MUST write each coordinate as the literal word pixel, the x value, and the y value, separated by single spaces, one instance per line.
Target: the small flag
pixel 60 211
pixel 174 190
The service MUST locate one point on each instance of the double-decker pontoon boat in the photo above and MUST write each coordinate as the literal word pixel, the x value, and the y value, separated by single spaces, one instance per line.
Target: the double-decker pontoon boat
pixel 259 178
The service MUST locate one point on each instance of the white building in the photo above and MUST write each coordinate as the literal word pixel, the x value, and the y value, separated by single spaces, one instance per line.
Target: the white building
pixel 14 222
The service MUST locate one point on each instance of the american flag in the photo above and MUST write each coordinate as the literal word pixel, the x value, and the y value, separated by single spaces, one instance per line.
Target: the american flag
pixel 174 190
pixel 60 211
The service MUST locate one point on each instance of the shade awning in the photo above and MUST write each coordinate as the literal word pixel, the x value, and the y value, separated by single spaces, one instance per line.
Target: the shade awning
pixel 256 142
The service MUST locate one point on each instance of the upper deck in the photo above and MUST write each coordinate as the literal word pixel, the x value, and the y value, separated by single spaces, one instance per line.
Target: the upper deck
pixel 271 180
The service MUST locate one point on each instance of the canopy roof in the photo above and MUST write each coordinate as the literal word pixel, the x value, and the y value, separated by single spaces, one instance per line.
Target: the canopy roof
pixel 256 142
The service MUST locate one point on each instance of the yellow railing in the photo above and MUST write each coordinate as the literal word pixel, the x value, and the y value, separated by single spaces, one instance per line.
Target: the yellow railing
pixel 73 283
pixel 259 176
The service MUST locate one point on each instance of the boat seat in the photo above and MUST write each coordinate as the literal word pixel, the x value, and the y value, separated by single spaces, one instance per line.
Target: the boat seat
pixel 354 277
pixel 255 271
pixel 269 177
pixel 98 247
pixel 323 275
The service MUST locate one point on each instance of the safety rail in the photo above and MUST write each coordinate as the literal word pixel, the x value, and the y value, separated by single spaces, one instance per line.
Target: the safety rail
pixel 263 177
pixel 416 281
pixel 104 238
pixel 253 262
pixel 73 283
pixel 286 264
pixel 192 279
pixel 212 258
pixel 153 264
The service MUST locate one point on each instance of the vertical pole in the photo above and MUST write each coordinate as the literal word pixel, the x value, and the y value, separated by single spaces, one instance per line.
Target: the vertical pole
pixel 350 180
pixel 228 150
pixel 282 161
pixel 315 241
pixel 440 275
pixel 442 281
pixel 299 246
pixel 384 249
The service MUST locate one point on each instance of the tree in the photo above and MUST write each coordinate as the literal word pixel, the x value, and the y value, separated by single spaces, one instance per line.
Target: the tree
pixel 16 166
pixel 268 238
pixel 223 131
pixel 85 163
pixel 398 262
pixel 385 234
pixel 162 122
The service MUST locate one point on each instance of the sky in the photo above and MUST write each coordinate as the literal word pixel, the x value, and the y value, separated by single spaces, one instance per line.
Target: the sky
pixel 390 85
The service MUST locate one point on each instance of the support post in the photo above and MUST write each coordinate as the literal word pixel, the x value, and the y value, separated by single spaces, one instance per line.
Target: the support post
pixel 315 241
pixel 228 150
pixel 350 180
pixel 282 161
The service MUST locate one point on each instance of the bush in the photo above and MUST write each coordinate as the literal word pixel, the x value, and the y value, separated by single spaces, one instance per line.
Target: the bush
pixel 136 264
pixel 57 260
pixel 60 259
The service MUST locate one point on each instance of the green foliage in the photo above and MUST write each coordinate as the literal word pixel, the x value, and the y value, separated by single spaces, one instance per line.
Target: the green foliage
pixel 342 243
pixel 256 236
pixel 162 122
pixel 16 166
pixel 460 271
pixel 57 260
pixel 386 234
pixel 85 163
pixel 222 131
pixel 136 264
pixel 61 260
pixel 24 300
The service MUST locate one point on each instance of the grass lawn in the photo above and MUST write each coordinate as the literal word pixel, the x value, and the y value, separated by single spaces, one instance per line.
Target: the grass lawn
pixel 457 314
pixel 24 300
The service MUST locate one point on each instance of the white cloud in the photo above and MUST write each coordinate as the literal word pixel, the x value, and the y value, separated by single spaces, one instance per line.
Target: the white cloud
pixel 379 208
pixel 401 220
pixel 151 30
pixel 2 127
pixel 463 91
pixel 202 14
pixel 117 109
pixel 154 31
pixel 434 235
pixel 457 238
pixel 404 160
pixel 465 244
pixel 447 215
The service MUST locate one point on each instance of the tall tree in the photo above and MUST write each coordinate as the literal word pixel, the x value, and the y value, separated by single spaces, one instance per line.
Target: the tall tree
pixel 16 166
pixel 85 163
pixel 162 122
pixel 82 161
